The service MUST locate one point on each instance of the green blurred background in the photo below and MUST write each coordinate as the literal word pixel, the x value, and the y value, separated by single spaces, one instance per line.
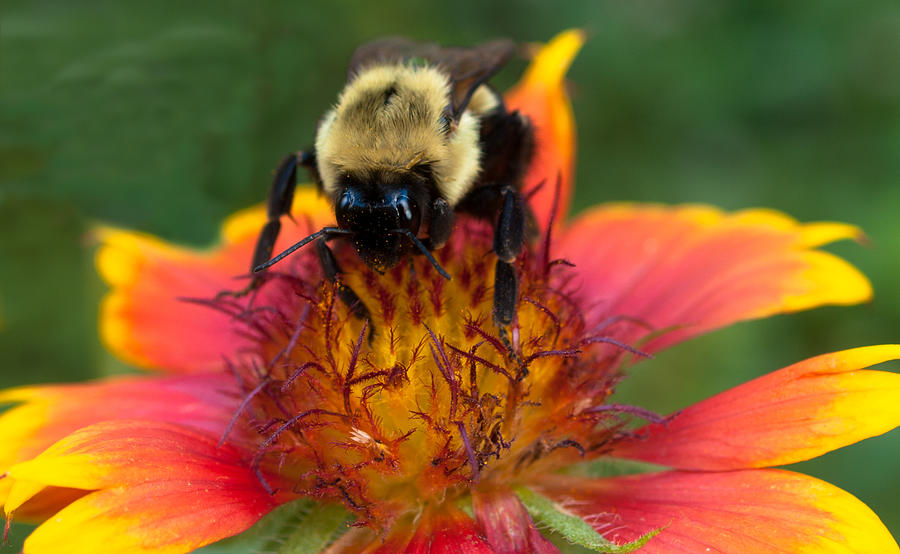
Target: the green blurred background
pixel 167 116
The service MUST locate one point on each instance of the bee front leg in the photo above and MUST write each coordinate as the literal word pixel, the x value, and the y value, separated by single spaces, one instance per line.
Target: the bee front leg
pixel 332 271
pixel 509 239
pixel 441 225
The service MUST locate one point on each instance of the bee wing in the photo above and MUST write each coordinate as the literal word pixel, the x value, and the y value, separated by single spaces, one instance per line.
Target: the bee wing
pixel 467 68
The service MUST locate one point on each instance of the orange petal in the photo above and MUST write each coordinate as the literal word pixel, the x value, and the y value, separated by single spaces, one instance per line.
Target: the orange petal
pixel 143 319
pixel 791 415
pixel 123 453
pixel 159 517
pixel 541 95
pixel 690 269
pixel 46 414
pixel 507 524
pixel 740 511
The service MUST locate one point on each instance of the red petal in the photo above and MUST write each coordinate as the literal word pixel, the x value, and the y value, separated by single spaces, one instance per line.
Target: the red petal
pixel 506 523
pixel 162 488
pixel 686 270
pixel 122 453
pixel 740 511
pixel 541 95
pixel 793 414
pixel 442 529
pixel 446 530
pixel 46 414
pixel 144 318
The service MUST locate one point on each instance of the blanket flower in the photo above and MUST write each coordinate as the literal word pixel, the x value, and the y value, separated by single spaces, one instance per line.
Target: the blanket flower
pixel 421 423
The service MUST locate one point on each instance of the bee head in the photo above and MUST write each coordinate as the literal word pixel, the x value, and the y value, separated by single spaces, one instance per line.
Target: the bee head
pixel 382 218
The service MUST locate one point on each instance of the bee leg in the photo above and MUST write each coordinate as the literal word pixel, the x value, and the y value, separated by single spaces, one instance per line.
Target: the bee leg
pixel 509 239
pixel 506 292
pixel 281 196
pixel 441 224
pixel 333 272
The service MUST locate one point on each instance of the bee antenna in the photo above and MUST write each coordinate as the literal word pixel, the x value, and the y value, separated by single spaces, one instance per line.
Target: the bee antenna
pixel 424 250
pixel 324 232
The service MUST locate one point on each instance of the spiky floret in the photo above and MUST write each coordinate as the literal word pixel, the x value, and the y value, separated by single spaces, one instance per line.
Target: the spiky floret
pixel 425 399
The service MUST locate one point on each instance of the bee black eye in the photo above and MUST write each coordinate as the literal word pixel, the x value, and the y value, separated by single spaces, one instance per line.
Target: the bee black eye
pixel 348 209
pixel 404 211
pixel 408 216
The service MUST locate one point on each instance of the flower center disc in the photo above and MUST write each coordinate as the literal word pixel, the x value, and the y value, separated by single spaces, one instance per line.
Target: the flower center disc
pixel 425 396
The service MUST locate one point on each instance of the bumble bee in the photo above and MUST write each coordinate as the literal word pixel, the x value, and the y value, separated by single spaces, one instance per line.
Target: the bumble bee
pixel 416 135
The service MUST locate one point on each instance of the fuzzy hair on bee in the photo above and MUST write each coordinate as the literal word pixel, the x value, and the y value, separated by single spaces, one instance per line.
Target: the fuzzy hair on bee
pixel 416 137
pixel 391 118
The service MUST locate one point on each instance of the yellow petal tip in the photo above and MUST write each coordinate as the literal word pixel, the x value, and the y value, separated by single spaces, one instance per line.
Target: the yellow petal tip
pixel 819 234
pixel 830 280
pixel 552 62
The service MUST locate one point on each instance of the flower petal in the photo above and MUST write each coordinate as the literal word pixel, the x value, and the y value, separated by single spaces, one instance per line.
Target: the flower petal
pixel 447 530
pixel 45 503
pixel 740 511
pixel 144 318
pixel 507 524
pixel 160 487
pixel 440 529
pixel 791 415
pixel 162 517
pixel 686 270
pixel 46 414
pixel 541 95
pixel 126 452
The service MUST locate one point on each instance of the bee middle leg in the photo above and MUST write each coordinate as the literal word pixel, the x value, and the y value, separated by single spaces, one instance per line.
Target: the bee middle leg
pixel 278 204
pixel 281 196
pixel 509 239
pixel 507 205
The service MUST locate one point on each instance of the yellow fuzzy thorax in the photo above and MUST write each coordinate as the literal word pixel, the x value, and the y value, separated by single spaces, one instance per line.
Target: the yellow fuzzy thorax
pixel 390 118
